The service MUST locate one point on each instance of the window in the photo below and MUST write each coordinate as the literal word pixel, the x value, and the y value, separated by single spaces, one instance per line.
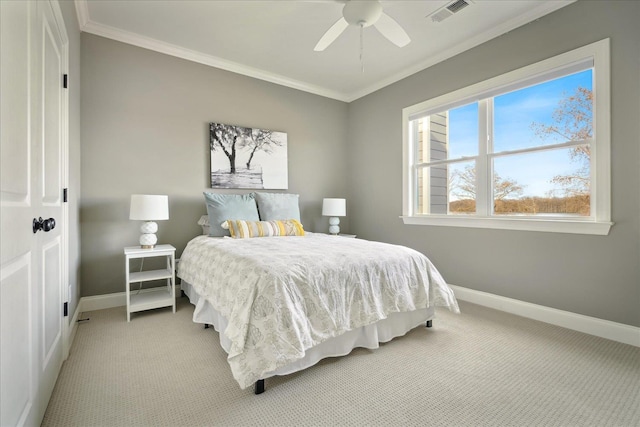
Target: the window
pixel 527 150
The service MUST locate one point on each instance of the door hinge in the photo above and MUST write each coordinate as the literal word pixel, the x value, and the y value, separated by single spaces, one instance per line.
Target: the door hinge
pixel 65 78
pixel 65 309
pixel 65 194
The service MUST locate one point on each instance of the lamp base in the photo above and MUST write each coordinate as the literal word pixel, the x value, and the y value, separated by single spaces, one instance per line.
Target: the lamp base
pixel 148 240
pixel 334 225
pixel 148 237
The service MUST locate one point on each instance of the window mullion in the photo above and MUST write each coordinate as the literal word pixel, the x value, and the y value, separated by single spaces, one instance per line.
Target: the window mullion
pixel 483 183
pixel 413 184
pixel 426 178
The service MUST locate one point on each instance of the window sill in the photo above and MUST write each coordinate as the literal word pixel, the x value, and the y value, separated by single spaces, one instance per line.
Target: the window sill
pixel 599 228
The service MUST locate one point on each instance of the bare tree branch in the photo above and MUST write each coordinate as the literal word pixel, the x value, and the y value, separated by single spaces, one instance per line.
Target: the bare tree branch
pixel 225 138
pixel 260 140
pixel 573 121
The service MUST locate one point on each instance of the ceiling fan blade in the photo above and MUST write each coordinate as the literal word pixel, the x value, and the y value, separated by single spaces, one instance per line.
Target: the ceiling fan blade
pixel 331 34
pixel 389 28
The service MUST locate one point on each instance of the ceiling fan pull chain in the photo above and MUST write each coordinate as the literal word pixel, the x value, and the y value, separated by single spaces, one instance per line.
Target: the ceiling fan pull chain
pixel 362 47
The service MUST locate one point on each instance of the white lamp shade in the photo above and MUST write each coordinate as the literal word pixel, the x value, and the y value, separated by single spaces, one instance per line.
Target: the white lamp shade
pixel 147 207
pixel 334 207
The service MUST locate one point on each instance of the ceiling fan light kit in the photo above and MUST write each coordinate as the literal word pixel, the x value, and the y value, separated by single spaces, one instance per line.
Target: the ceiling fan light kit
pixel 364 13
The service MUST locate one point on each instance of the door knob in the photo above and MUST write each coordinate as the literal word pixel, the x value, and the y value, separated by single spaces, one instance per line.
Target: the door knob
pixel 49 224
pixel 43 224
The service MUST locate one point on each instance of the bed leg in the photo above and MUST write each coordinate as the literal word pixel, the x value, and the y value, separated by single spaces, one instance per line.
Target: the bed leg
pixel 259 387
pixel 429 323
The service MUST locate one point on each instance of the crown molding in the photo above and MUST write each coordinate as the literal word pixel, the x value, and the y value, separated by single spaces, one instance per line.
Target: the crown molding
pixel 544 9
pixel 82 12
pixel 88 26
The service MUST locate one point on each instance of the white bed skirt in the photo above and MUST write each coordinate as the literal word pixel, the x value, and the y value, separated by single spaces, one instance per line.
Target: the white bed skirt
pixel 397 324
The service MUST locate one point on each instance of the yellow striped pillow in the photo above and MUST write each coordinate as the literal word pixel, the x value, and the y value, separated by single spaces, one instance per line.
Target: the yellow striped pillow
pixel 241 229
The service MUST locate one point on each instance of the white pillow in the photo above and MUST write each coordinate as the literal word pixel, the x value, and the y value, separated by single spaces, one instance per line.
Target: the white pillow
pixel 204 223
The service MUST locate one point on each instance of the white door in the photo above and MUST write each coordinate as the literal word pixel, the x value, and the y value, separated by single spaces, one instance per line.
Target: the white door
pixel 33 116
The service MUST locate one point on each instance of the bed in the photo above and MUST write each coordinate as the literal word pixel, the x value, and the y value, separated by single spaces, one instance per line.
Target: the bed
pixel 281 304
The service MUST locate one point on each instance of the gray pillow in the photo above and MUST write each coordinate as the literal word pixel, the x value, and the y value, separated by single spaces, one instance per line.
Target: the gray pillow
pixel 277 206
pixel 221 207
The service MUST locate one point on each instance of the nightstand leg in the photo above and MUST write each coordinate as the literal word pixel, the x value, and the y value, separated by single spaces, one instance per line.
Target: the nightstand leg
pixel 171 264
pixel 128 288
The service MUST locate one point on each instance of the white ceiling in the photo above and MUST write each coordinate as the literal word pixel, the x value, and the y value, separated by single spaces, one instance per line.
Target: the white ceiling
pixel 274 40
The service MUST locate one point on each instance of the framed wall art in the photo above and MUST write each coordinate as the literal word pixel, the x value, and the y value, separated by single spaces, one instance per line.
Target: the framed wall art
pixel 243 157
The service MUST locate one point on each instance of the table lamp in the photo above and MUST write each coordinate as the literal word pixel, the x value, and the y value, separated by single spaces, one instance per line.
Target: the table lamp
pixel 334 208
pixel 149 208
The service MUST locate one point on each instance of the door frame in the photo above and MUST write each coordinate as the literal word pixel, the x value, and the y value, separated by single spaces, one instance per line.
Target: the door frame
pixel 64 130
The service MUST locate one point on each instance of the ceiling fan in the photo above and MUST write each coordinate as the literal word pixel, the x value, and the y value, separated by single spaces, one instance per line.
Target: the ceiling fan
pixel 364 13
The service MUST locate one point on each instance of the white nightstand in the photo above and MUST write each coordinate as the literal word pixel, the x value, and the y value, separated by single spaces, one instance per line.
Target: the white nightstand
pixel 154 297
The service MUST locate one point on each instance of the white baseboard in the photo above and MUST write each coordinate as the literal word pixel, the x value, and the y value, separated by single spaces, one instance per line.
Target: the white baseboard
pixel 100 302
pixel 74 324
pixel 71 331
pixel 590 325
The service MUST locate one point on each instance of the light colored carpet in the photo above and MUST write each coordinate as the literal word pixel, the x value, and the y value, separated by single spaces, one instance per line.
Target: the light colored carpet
pixel 480 368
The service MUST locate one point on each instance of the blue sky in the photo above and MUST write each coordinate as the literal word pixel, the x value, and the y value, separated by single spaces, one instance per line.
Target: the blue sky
pixel 514 113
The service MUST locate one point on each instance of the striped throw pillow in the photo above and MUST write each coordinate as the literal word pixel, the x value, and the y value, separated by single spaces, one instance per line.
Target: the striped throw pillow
pixel 242 229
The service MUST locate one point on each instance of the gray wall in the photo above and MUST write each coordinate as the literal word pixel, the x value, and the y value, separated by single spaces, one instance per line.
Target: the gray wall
pixel 144 128
pixel 73 33
pixel 145 122
pixel 597 276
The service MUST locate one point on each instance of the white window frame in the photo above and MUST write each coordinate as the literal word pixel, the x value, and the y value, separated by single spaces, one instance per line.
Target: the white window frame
pixel 599 222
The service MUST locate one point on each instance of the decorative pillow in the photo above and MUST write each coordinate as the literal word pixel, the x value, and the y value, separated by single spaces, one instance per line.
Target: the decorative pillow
pixel 204 223
pixel 275 206
pixel 221 207
pixel 241 229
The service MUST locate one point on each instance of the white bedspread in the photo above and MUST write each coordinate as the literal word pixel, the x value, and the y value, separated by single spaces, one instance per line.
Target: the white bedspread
pixel 284 295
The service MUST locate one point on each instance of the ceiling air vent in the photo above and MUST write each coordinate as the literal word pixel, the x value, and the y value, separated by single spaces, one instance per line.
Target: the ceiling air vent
pixel 448 10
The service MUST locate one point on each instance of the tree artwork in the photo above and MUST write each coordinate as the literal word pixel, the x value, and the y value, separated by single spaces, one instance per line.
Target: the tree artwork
pixel 260 140
pixel 263 152
pixel 225 138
